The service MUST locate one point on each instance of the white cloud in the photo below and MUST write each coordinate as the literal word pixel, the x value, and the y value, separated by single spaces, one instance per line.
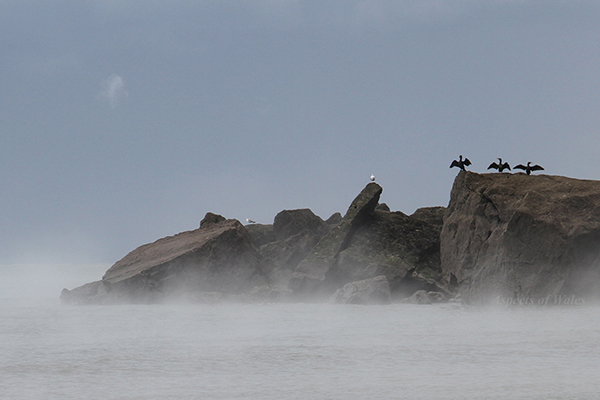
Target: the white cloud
pixel 113 90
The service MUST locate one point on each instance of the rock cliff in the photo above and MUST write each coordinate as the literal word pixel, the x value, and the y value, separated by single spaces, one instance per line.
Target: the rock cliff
pixel 531 238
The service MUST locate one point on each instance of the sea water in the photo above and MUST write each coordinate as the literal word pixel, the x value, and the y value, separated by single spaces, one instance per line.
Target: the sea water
pixel 296 351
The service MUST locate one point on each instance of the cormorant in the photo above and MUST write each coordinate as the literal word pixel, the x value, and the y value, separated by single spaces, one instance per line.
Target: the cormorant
pixel 500 166
pixel 461 163
pixel 528 168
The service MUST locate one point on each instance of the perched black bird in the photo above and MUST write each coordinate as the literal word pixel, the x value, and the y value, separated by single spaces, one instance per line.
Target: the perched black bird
pixel 528 168
pixel 500 166
pixel 461 163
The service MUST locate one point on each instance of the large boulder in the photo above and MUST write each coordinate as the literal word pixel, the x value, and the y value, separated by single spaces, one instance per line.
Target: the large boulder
pixel 296 233
pixel 217 258
pixel 290 223
pixel 367 243
pixel 534 238
pixel 368 291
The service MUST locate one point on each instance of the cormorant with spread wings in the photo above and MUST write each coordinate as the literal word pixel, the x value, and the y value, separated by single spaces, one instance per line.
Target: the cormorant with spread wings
pixel 529 168
pixel 461 163
pixel 500 166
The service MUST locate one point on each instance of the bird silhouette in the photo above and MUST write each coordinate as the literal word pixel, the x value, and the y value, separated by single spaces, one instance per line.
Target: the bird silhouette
pixel 461 163
pixel 528 168
pixel 500 166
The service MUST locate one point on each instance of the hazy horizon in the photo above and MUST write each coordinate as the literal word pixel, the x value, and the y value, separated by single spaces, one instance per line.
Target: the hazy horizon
pixel 124 122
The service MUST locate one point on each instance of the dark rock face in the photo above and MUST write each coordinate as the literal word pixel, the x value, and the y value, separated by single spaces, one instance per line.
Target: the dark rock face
pixel 367 243
pixel 296 232
pixel 309 277
pixel 368 291
pixel 391 244
pixel 431 215
pixel 289 223
pixel 217 258
pixel 520 236
pixel 261 234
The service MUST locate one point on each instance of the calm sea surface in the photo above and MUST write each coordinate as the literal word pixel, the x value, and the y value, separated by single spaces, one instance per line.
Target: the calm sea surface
pixel 296 351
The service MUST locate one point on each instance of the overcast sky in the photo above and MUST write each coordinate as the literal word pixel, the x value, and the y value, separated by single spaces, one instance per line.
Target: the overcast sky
pixel 126 121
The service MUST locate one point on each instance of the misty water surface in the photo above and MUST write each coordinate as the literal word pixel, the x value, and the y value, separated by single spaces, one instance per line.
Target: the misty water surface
pixel 295 351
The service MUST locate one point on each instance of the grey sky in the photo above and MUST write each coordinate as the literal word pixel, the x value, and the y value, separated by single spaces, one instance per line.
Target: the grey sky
pixel 126 121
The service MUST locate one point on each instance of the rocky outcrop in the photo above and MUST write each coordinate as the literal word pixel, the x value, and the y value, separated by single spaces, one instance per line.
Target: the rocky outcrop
pixel 505 238
pixel 298 257
pixel 367 243
pixel 215 261
pixel 524 237
pixel 221 261
pixel 368 291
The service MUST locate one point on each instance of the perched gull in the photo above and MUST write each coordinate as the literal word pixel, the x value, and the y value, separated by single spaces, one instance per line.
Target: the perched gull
pixel 248 220
pixel 372 178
